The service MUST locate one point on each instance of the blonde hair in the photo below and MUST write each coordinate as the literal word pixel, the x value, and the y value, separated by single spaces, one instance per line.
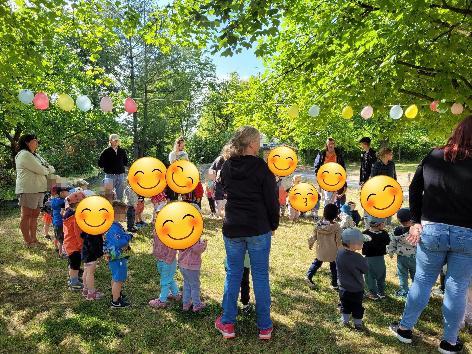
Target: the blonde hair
pixel 177 141
pixel 225 152
pixel 241 139
pixel 383 152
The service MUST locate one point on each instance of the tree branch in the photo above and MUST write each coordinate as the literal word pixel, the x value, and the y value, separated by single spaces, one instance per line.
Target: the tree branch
pixel 416 94
pixel 444 5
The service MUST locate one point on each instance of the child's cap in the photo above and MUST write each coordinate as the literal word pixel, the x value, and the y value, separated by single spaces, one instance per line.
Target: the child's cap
pixel 352 236
pixel 75 197
pixel 373 221
pixel 346 209
pixel 404 215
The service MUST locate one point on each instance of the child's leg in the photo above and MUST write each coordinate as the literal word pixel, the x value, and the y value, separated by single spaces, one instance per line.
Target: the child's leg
pixel 313 268
pixel 130 217
pixel 402 270
pixel 187 293
pixel 357 308
pixel 346 308
pixel 412 267
pixel 74 266
pixel 370 278
pixel 116 287
pixel 119 274
pixel 245 286
pixel 211 202
pixel 334 274
pixel 192 277
pixel 168 284
pixel 442 280
pixel 89 279
pixel 381 271
pixel 174 288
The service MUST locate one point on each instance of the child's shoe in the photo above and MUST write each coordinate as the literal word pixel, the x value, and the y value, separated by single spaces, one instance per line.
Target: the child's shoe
pixel 120 303
pixel 76 286
pixel 176 298
pixel 372 296
pixel 381 296
pixel 96 295
pixel 360 327
pixel 186 307
pixel 310 283
pixel 84 292
pixel 157 304
pixel 199 307
pixel 227 330
pixel 265 334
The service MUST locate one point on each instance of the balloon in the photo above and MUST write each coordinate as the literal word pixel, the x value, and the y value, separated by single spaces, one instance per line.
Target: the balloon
pixel 65 102
pixel 293 111
pixel 411 111
pixel 314 111
pixel 367 112
pixel 26 96
pixel 106 104
pixel 434 106
pixel 457 108
pixel 130 105
pixel 396 112
pixel 347 112
pixel 41 101
pixel 83 103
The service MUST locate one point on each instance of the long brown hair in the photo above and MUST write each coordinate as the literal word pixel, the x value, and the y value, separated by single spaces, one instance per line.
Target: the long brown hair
pixel 241 139
pixel 459 145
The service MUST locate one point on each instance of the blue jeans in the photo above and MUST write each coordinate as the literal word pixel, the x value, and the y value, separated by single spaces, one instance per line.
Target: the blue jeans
pixel 191 286
pixel 118 184
pixel 440 244
pixel 259 249
pixel 168 283
pixel 317 265
pixel 406 265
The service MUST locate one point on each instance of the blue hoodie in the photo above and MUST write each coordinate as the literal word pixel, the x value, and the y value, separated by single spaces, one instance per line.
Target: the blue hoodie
pixel 115 239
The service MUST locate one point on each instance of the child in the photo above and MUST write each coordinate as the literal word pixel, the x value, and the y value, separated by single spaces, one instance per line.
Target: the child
pixel 294 214
pixel 166 266
pixel 282 197
pixel 374 251
pixel 351 267
pixel 356 217
pixel 406 252
pixel 116 243
pixel 57 204
pixel 345 218
pixel 159 201
pixel 190 261
pixel 92 251
pixel 340 196
pixel 107 190
pixel 195 196
pixel 139 212
pixel 47 214
pixel 327 236
pixel 245 283
pixel 210 193
pixel 72 240
pixel 131 200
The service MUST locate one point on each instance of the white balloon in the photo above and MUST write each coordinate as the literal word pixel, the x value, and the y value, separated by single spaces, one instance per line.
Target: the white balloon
pixel 314 111
pixel 83 103
pixel 26 96
pixel 396 112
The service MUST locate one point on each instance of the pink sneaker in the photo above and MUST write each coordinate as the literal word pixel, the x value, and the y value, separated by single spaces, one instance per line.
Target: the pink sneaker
pixel 96 295
pixel 227 330
pixel 186 307
pixel 157 304
pixel 84 292
pixel 176 298
pixel 265 334
pixel 199 307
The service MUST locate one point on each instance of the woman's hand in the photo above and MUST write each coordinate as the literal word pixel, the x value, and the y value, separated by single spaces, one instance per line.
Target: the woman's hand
pixel 415 234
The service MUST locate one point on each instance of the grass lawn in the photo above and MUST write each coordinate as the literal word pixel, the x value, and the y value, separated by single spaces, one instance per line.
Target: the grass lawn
pixel 39 314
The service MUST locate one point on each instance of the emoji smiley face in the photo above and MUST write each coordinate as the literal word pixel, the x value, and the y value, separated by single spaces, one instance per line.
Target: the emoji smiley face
pixel 182 176
pixel 331 176
pixel 282 161
pixel 179 225
pixel 94 215
pixel 381 196
pixel 303 197
pixel 147 176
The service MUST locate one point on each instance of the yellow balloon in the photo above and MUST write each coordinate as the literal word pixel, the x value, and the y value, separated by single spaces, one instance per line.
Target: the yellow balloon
pixel 65 102
pixel 293 111
pixel 411 111
pixel 347 112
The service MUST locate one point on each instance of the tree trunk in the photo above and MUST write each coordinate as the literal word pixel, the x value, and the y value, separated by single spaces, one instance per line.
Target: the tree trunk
pixel 133 94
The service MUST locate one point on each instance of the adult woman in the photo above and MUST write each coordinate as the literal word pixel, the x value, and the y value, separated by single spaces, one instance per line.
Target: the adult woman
pixel 384 165
pixel 179 151
pixel 214 170
pixel 31 183
pixel 440 200
pixel 252 215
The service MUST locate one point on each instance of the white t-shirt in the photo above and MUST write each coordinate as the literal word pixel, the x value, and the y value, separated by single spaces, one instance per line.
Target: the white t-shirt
pixel 179 155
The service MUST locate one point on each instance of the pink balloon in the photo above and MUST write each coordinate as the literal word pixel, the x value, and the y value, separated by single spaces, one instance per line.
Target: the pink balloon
pixel 41 101
pixel 130 105
pixel 367 112
pixel 434 106
pixel 106 104
pixel 457 108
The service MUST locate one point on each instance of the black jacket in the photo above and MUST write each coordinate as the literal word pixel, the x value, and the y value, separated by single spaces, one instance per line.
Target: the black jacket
pixel 367 160
pixel 319 160
pixel 441 191
pixel 216 166
pixel 113 162
pixel 378 245
pixel 381 169
pixel 252 206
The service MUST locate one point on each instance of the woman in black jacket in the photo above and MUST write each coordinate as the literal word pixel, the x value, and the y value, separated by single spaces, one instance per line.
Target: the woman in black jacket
pixel 440 204
pixel 251 217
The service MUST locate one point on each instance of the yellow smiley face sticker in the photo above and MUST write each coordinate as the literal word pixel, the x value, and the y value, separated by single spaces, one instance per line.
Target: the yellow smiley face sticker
pixel 303 197
pixel 147 176
pixel 94 215
pixel 331 176
pixel 182 176
pixel 282 161
pixel 381 196
pixel 179 225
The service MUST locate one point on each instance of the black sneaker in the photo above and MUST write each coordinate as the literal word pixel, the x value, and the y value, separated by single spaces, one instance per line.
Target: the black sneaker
pixel 360 327
pixel 403 335
pixel 120 303
pixel 446 348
